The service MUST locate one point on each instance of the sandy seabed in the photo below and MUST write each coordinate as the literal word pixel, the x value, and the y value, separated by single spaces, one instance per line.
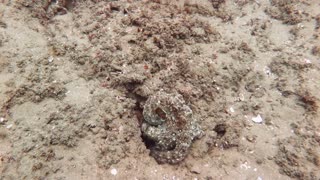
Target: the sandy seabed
pixel 75 76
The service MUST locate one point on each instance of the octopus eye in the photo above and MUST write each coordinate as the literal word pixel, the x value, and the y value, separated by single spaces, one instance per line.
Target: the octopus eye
pixel 172 146
pixel 160 113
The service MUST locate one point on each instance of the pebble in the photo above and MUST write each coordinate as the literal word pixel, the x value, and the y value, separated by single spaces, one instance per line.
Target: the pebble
pixel 259 161
pixel 195 169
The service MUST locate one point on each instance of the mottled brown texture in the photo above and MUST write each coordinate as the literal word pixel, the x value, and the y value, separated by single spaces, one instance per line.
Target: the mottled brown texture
pixel 170 125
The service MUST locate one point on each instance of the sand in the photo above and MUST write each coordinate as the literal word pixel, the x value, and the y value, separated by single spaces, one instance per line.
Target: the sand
pixel 75 75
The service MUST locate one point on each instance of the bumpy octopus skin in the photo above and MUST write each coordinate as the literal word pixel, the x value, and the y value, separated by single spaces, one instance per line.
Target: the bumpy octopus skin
pixel 169 124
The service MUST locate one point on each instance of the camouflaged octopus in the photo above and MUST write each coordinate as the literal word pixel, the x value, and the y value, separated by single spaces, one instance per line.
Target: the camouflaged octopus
pixel 170 126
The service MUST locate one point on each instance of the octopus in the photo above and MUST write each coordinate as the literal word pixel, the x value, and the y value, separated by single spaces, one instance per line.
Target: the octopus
pixel 169 124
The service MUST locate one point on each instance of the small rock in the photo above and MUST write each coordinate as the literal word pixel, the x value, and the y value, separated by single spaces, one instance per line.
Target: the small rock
pixel 260 161
pixel 37 166
pixel 195 169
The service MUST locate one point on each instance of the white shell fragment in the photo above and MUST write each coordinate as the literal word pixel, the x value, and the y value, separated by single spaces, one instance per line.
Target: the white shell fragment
pixel 257 119
pixel 267 70
pixel 114 171
pixel 1 120
pixel 50 59
pixel 9 126
pixel 307 61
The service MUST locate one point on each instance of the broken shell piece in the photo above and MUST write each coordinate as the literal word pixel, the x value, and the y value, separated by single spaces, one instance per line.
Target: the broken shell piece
pixel 307 61
pixel 2 120
pixel 9 126
pixel 257 119
pixel 50 59
pixel 267 70
pixel 114 171
pixel 241 97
